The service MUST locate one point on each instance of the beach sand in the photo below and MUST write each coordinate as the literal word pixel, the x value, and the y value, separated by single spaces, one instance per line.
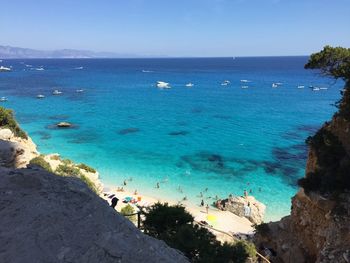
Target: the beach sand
pixel 220 220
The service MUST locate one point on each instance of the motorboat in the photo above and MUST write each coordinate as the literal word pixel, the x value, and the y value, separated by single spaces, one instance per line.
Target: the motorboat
pixel 2 99
pixel 244 87
pixel 40 69
pixel 40 96
pixel 163 85
pixel 79 90
pixel 4 69
pixel 244 80
pixel 315 89
pixel 79 68
pixel 274 85
pixel 189 85
pixel 225 83
pixel 301 87
pixel 56 92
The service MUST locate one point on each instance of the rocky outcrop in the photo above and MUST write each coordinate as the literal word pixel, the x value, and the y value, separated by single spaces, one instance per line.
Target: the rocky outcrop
pixel 48 218
pixel 246 206
pixel 318 229
pixel 15 151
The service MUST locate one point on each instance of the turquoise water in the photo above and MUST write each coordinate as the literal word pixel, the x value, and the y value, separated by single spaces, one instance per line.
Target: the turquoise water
pixel 223 138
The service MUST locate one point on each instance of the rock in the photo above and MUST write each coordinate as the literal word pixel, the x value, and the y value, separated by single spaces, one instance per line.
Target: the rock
pixel 247 207
pixel 6 134
pixel 64 124
pixel 49 218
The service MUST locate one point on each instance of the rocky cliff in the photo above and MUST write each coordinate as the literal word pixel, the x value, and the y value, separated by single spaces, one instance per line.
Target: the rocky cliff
pixel 49 218
pixel 318 229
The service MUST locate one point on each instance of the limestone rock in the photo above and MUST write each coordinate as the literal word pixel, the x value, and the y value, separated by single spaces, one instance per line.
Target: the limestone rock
pixel 6 134
pixel 48 218
pixel 247 207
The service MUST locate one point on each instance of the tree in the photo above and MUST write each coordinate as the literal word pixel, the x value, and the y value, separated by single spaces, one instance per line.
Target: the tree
pixel 334 62
pixel 175 226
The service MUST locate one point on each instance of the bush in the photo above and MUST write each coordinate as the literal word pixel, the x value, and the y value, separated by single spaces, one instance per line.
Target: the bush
pixel 7 120
pixel 331 175
pixel 128 210
pixel 40 161
pixel 262 229
pixel 68 170
pixel 175 226
pixel 86 168
pixel 55 157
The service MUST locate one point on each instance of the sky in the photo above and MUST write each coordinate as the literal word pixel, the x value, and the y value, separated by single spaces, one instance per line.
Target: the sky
pixel 177 28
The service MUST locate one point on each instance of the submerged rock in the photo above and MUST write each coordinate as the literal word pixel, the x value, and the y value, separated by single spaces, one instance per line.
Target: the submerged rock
pixel 128 130
pixel 64 124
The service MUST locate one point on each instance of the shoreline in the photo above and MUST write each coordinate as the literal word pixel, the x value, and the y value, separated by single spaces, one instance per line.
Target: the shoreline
pixel 221 220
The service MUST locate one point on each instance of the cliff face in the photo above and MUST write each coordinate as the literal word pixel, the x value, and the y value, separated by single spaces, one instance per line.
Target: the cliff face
pixel 318 229
pixel 50 218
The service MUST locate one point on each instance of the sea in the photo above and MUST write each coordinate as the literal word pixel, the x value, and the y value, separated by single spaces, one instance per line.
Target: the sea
pixel 241 126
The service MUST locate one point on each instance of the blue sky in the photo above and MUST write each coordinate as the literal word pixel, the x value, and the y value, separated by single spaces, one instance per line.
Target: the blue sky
pixel 177 27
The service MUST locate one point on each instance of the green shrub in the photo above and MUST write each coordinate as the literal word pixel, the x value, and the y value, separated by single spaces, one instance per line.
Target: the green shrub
pixel 67 162
pixel 40 161
pixel 128 210
pixel 86 168
pixel 7 120
pixel 262 229
pixel 89 183
pixel 68 170
pixel 176 227
pixel 55 157
pixel 331 175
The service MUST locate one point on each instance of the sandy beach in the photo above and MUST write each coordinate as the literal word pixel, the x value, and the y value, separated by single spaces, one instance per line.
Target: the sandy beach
pixel 220 220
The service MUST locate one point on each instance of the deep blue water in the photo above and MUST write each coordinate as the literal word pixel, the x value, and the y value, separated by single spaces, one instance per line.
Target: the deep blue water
pixel 223 138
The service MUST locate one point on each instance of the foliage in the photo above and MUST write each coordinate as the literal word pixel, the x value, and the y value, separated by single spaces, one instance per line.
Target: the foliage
pixel 55 157
pixel 262 229
pixel 68 170
pixel 86 168
pixel 128 210
pixel 67 162
pixel 89 183
pixel 176 227
pixel 7 120
pixel 40 161
pixel 335 62
pixel 333 165
pixel 332 61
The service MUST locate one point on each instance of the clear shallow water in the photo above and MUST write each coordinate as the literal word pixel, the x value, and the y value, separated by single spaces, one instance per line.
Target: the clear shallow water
pixel 223 138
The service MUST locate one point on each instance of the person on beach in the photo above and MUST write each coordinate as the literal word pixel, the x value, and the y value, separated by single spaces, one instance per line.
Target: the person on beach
pixel 114 202
pixel 135 193
pixel 245 193
pixel 202 202
pixel 207 209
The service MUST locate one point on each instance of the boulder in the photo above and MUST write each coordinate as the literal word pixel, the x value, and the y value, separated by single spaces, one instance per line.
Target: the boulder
pixel 6 134
pixel 247 207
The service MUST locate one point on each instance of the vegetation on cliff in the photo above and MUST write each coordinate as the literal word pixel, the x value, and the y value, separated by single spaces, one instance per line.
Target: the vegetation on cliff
pixel 177 228
pixel 7 120
pixel 40 161
pixel 331 175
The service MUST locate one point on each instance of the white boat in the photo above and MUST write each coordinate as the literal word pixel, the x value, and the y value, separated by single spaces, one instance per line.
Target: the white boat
pixel 244 80
pixel 315 89
pixel 4 69
pixel 163 85
pixel 189 85
pixel 79 68
pixel 79 90
pixel 323 88
pixel 279 83
pixel 225 83
pixel 3 99
pixel 40 69
pixel 244 87
pixel 301 87
pixel 56 92
pixel 274 85
pixel 40 96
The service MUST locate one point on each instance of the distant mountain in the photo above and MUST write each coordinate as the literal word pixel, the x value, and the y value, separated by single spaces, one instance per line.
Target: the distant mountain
pixel 17 52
